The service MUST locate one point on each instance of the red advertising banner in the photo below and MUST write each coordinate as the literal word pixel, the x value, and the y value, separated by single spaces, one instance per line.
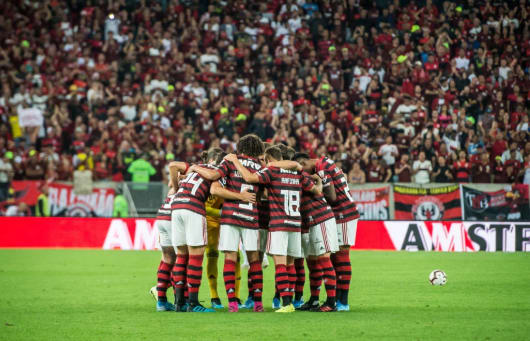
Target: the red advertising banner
pixel 140 234
pixel 436 203
pixel 25 191
pixel 373 203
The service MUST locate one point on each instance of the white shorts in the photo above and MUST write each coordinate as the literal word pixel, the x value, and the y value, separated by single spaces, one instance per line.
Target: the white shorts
pixel 305 245
pixel 188 228
pixel 322 238
pixel 230 235
pixel 346 232
pixel 263 237
pixel 164 232
pixel 283 243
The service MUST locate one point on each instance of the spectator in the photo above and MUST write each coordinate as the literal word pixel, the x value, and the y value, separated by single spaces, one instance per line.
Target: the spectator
pixel 389 152
pixel 462 168
pixel 402 169
pixel 481 171
pixel 6 173
pixel 141 170
pixel 121 206
pixel 42 209
pixel 20 210
pixel 442 172
pixel 137 77
pixel 357 175
pixel 422 169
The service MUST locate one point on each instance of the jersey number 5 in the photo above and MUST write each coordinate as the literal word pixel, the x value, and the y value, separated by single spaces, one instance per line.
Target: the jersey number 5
pixel 250 189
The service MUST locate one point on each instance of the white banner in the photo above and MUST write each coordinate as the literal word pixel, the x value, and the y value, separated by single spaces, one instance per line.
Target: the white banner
pixel 30 117
pixel 459 236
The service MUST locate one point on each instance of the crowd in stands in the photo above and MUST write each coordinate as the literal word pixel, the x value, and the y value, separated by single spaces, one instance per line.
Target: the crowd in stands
pixel 409 91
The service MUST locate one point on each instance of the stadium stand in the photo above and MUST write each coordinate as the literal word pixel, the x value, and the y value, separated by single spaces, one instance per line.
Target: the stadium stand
pixel 389 89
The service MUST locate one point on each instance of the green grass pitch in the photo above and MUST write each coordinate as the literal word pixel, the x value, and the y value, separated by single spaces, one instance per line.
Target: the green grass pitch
pixel 103 295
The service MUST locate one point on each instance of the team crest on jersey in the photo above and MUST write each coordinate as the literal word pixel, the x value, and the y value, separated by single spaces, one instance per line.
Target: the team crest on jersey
pixel 428 208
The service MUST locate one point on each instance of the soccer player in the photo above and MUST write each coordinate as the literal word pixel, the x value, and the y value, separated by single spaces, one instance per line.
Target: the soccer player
pixel 239 220
pixel 213 214
pixel 163 225
pixel 288 154
pixel 319 240
pixel 284 241
pixel 189 233
pixel 337 193
pixel 263 223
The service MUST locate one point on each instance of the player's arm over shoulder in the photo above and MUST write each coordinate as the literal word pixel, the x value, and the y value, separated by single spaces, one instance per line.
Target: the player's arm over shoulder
pixel 247 175
pixel 218 190
pixel 207 173
pixel 286 164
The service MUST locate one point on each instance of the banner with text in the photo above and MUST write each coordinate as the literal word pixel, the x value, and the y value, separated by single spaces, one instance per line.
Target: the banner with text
pixel 373 203
pixel 64 202
pixel 433 203
pixel 142 234
pixel 508 202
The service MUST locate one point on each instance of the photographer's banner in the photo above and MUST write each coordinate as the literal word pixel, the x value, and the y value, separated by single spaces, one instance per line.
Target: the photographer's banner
pixel 62 199
pixel 427 203
pixel 373 203
pixel 64 202
pixel 498 202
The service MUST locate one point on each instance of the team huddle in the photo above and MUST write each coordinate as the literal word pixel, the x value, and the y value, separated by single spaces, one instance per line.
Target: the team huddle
pixel 264 200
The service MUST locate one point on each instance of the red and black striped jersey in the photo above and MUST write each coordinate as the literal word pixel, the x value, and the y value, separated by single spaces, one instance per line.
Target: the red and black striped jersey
pixel 315 210
pixel 343 207
pixel 193 192
pixel 236 212
pixel 285 191
pixel 164 212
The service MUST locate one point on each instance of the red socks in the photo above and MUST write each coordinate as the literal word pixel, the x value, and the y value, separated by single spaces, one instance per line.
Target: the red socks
pixel 282 280
pixel 342 265
pixel 256 275
pixel 291 273
pixel 300 278
pixel 179 271
pixel 194 276
pixel 178 277
pixel 315 278
pixel 229 275
pixel 163 280
pixel 328 273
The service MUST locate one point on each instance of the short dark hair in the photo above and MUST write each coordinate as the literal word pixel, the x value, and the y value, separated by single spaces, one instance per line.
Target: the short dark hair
pixel 220 157
pixel 299 156
pixel 250 145
pixel 274 152
pixel 211 154
pixel 287 152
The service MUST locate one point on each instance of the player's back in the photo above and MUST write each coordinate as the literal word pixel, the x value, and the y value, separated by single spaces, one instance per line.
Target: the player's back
pixel 315 210
pixel 193 192
pixel 284 193
pixel 236 212
pixel 344 206
pixel 164 212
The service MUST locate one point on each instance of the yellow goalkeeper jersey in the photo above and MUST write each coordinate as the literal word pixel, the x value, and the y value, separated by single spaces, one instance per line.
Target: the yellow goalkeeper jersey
pixel 213 210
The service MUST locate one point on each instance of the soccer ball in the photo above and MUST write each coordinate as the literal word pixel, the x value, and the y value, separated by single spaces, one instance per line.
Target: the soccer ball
pixel 438 277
